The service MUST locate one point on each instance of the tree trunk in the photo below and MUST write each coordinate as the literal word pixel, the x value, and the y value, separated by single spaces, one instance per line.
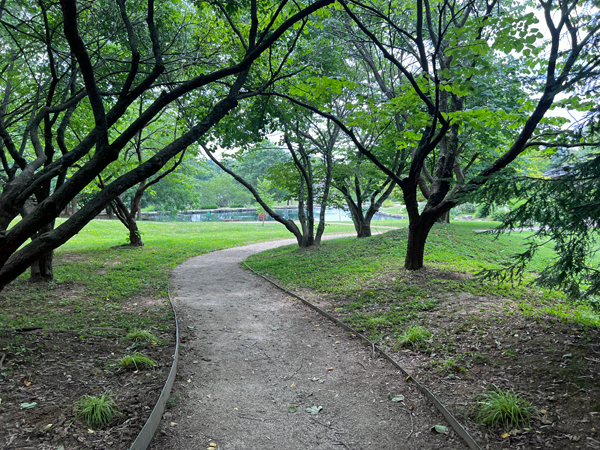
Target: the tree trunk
pixel 127 218
pixel 415 250
pixel 41 270
pixel 363 228
pixel 445 218
pixel 135 237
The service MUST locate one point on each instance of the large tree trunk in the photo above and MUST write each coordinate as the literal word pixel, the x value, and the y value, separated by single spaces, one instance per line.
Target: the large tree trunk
pixel 42 270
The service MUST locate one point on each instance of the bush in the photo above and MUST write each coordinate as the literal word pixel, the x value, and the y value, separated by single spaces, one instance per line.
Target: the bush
pixel 236 205
pixel 388 204
pixel 467 208
pixel 211 206
pixel 141 336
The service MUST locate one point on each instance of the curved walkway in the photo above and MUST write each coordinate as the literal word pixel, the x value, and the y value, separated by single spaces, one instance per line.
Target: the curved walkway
pixel 252 355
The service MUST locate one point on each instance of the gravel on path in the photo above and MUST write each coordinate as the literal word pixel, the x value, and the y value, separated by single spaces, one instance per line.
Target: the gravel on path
pixel 253 360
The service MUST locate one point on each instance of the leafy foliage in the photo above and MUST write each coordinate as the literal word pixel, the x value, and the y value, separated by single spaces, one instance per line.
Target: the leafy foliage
pixel 565 210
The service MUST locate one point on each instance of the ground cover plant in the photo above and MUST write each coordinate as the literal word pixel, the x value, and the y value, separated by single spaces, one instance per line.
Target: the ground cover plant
pixel 485 336
pixel 63 340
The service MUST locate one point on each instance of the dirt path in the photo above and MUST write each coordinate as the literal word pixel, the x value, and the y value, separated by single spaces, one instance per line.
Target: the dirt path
pixel 251 353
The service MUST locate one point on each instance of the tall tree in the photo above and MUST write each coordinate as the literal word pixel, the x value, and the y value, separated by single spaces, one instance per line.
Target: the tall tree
pixel 434 60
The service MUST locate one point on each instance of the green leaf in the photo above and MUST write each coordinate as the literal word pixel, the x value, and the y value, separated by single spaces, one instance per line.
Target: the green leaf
pixel 292 409
pixel 439 429
pixel 28 405
pixel 398 398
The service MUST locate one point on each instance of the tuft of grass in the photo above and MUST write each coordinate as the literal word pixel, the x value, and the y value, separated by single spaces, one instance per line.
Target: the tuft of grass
pixel 414 335
pixel 141 336
pixel 503 407
pixel 136 361
pixel 96 412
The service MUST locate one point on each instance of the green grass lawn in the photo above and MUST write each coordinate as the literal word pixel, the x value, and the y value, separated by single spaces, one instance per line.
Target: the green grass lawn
pixel 368 273
pixel 97 278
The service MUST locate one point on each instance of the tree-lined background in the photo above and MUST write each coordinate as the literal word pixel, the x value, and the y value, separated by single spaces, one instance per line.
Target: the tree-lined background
pixel 125 104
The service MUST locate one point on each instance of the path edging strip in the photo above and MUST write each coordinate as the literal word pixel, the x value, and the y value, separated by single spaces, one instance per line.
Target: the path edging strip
pixel 454 423
pixel 143 439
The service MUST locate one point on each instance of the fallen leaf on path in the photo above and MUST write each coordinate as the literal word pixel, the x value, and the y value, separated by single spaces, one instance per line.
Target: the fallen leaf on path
pixel 314 409
pixel 439 429
pixel 292 409
pixel 28 405
pixel 398 398
pixel 505 435
pixel 27 383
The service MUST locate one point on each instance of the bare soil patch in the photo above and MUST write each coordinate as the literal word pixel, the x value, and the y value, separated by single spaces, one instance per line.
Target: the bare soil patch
pixel 54 368
pixel 489 342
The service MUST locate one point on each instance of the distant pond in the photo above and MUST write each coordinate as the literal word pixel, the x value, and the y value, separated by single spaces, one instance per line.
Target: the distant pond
pixel 249 215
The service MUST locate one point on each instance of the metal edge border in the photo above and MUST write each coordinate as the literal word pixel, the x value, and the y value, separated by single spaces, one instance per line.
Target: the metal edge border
pixel 145 436
pixel 455 424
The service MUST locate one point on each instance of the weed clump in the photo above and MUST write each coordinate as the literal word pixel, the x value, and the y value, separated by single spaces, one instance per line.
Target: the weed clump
pixel 96 412
pixel 503 407
pixel 414 335
pixel 136 361
pixel 140 336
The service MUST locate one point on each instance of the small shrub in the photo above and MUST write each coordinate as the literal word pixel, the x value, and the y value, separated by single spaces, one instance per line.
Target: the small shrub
pixel 506 408
pixel 414 335
pixel 141 336
pixel 136 361
pixel 211 206
pixel 96 412
pixel 388 204
pixel 236 205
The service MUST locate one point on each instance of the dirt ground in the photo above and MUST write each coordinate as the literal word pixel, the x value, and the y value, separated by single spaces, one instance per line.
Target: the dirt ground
pixel 52 370
pixel 553 364
pixel 253 360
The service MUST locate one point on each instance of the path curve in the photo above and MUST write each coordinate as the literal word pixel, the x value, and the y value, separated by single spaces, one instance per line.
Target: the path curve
pixel 251 352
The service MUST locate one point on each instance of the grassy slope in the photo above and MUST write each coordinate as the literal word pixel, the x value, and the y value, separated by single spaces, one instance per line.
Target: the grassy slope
pixel 363 276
